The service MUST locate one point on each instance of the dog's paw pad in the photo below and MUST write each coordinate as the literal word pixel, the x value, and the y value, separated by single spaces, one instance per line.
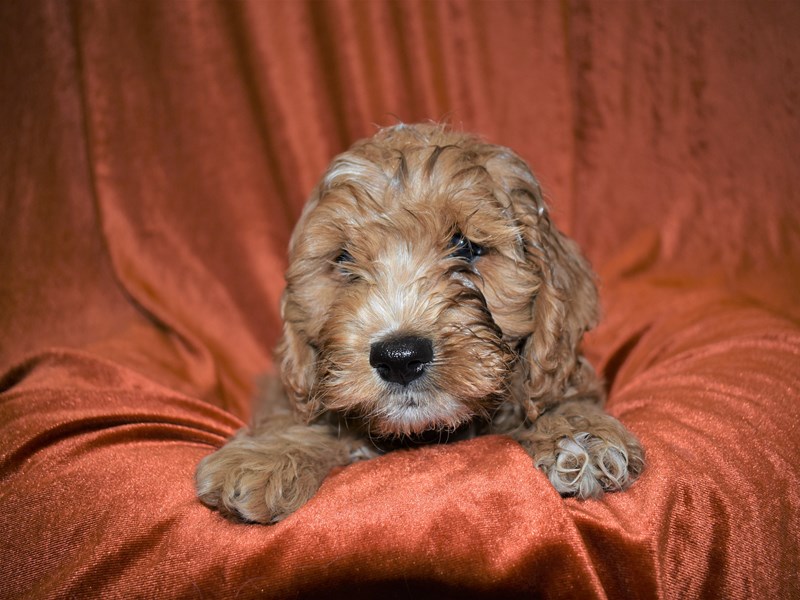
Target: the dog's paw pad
pixel 256 486
pixel 571 471
pixel 586 465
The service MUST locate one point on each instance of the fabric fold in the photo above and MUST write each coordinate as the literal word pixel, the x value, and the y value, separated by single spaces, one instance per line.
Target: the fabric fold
pixel 154 159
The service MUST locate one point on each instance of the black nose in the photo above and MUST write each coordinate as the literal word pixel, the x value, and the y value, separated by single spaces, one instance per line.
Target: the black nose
pixel 402 359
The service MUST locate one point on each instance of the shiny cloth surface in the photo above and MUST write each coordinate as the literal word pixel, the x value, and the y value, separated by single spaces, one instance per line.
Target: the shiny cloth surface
pixel 154 157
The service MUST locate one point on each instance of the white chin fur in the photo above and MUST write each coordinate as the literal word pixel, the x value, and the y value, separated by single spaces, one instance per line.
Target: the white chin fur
pixel 412 414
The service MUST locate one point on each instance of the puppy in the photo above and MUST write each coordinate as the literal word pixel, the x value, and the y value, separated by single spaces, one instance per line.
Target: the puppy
pixel 428 295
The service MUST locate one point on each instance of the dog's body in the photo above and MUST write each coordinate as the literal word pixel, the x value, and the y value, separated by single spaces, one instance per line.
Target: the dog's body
pixel 428 291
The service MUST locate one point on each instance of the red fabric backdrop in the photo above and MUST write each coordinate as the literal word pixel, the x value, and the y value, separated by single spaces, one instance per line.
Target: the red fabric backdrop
pixel 154 156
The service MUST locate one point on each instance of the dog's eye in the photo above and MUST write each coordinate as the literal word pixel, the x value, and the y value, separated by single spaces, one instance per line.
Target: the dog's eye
pixel 344 257
pixel 344 261
pixel 463 248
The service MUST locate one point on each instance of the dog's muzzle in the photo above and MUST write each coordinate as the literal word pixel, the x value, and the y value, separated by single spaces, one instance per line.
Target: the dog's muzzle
pixel 401 359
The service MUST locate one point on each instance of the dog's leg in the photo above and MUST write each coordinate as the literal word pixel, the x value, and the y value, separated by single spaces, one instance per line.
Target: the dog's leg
pixel 266 474
pixel 583 450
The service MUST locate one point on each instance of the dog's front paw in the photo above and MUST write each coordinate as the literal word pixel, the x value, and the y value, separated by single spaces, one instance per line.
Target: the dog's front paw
pixel 583 450
pixel 586 465
pixel 263 479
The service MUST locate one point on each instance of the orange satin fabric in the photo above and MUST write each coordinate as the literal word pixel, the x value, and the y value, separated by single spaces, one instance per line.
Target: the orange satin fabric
pixel 153 159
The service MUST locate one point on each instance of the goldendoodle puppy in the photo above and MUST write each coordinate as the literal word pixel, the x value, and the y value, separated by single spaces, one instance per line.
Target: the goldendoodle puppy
pixel 428 296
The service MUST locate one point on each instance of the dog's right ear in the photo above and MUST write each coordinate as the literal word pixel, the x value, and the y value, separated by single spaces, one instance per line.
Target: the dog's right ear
pixel 297 359
pixel 295 354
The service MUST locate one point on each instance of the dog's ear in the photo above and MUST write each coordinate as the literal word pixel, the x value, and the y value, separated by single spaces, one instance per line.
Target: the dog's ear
pixel 565 307
pixel 564 304
pixel 295 353
pixel 297 361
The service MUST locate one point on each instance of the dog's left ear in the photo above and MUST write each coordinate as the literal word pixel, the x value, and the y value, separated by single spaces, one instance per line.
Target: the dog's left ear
pixel 565 303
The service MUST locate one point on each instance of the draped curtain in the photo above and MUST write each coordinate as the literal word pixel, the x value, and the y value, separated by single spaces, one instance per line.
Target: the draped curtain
pixel 154 158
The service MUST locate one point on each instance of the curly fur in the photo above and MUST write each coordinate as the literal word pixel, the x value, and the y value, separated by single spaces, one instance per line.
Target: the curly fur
pixel 371 259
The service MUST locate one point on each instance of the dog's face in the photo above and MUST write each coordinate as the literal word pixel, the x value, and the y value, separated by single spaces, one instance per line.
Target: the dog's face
pixel 428 286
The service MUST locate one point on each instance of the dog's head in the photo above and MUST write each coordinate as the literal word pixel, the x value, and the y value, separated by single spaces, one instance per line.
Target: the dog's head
pixel 427 285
